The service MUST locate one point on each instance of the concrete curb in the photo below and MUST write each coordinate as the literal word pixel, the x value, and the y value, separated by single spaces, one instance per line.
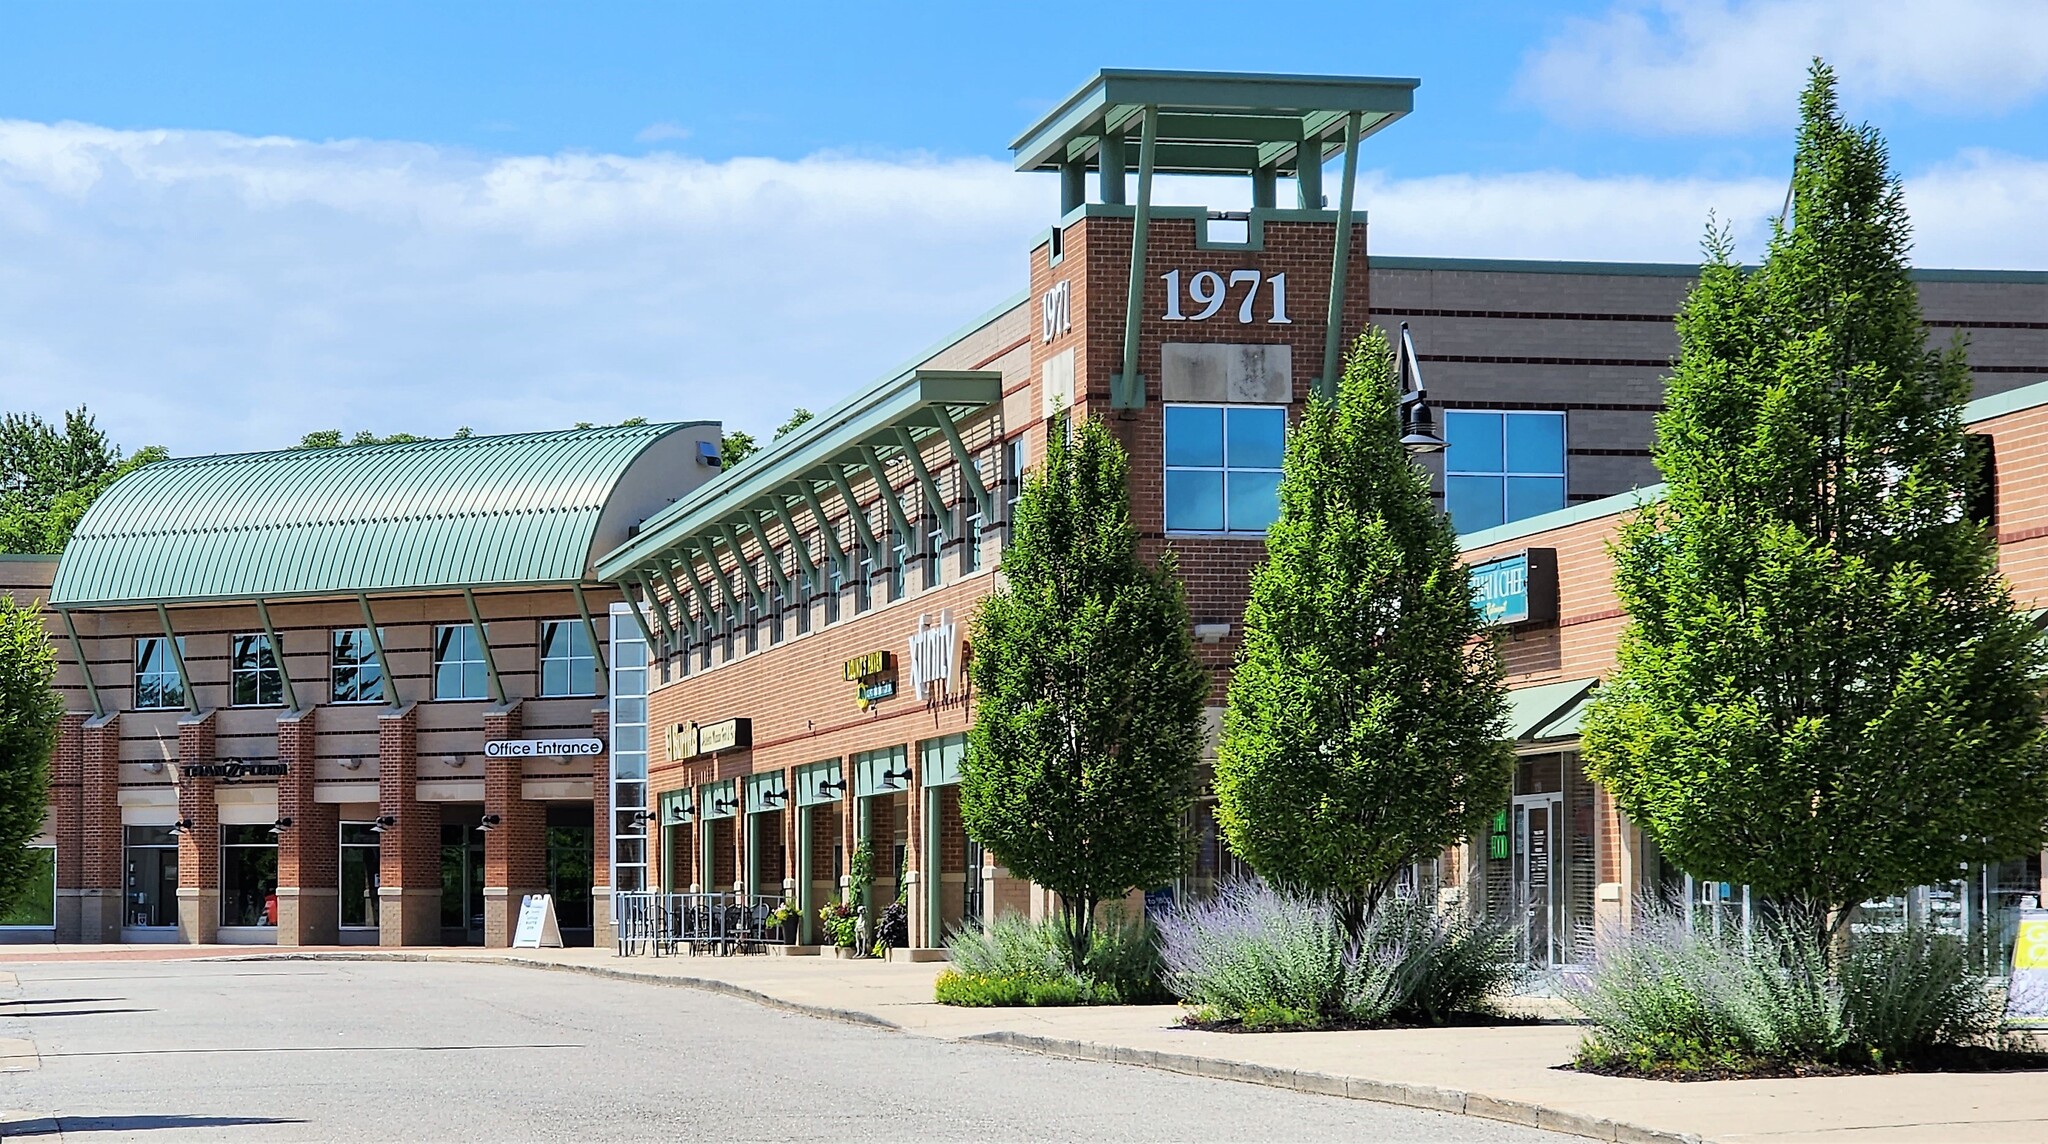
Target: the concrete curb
pixel 1355 1088
pixel 704 984
pixel 1427 1097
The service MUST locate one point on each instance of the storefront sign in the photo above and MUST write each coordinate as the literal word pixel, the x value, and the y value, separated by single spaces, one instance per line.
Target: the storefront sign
pixel 932 656
pixel 233 770
pixel 1518 589
pixel 870 692
pixel 2026 999
pixel 688 740
pixel 869 666
pixel 537 748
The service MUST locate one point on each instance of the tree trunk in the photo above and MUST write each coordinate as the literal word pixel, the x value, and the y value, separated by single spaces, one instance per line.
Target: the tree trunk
pixel 1077 918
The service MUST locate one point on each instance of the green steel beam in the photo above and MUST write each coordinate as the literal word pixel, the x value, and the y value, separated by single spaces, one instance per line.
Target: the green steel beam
pixel 377 648
pixel 668 634
pixel 697 589
pixel 1073 184
pixel 1265 180
pixel 933 499
pixel 718 576
pixel 865 532
pixel 590 633
pixel 1340 264
pixel 964 461
pixel 1114 187
pixel 774 562
pixel 1308 181
pixel 483 640
pixel 163 616
pixel 757 594
pixel 684 626
pixel 899 524
pixel 284 675
pixel 1182 126
pixel 1128 389
pixel 835 550
pixel 92 690
pixel 1208 158
pixel 780 508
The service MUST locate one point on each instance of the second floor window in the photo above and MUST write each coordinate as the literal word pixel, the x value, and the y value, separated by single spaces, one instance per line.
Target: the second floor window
pixel 1501 467
pixel 1223 467
pixel 253 676
pixel 568 664
pixel 934 540
pixel 459 671
pixel 353 673
pixel 1013 485
pixel 157 686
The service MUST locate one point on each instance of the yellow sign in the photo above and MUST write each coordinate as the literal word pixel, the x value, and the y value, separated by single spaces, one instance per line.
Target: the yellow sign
pixel 2030 948
pixel 868 666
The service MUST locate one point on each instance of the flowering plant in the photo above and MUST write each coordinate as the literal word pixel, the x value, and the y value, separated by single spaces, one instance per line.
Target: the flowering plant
pixel 838 919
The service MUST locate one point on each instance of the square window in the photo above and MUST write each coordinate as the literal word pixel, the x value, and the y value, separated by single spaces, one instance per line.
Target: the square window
pixel 1502 467
pixel 459 671
pixel 1194 436
pixel 1257 438
pixel 1535 443
pixel 1223 467
pixel 1473 502
pixel 1529 496
pixel 157 683
pixel 1474 441
pixel 1254 502
pixel 1194 501
pixel 568 665
pixel 253 676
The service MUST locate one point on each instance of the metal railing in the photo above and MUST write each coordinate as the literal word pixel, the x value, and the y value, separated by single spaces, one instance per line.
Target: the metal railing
pixel 656 923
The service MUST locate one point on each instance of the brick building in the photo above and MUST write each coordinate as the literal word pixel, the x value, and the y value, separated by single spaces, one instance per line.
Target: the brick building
pixel 773 662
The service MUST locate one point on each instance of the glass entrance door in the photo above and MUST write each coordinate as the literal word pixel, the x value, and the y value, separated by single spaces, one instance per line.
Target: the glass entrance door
pixel 462 885
pixel 1538 890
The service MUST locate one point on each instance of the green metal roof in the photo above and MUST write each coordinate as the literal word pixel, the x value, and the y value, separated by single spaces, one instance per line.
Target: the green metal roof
pixel 1667 269
pixel 1213 122
pixel 465 512
pixel 918 404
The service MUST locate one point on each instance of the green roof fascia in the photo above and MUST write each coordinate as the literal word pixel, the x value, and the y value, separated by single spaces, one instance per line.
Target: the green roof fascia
pixel 1531 708
pixel 2011 401
pixel 835 438
pixel 1212 107
pixel 1562 518
pixel 401 518
pixel 1662 269
pixel 30 557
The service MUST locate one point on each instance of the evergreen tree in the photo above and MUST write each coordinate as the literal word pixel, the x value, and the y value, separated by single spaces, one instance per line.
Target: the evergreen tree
pixel 1364 723
pixel 30 714
pixel 1824 690
pixel 1088 717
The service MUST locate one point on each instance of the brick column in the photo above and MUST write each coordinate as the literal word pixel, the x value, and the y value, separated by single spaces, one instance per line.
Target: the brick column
pixel 67 766
pixel 515 853
pixel 918 901
pixel 101 873
pixel 199 844
pixel 603 930
pixel 309 850
pixel 409 851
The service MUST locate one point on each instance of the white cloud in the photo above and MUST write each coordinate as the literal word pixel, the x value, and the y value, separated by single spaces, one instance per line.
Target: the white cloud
pixel 211 291
pixel 662 132
pixel 1728 66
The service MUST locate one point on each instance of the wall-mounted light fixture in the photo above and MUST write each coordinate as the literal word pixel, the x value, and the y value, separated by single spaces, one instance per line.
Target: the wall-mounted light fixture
pixel 889 778
pixel 456 761
pixel 384 822
pixel 1418 424
pixel 153 766
pixel 722 805
pixel 1211 633
pixel 831 787
pixel 774 796
pixel 182 826
pixel 351 764
pixel 488 823
pixel 640 817
pixel 281 825
pixel 678 815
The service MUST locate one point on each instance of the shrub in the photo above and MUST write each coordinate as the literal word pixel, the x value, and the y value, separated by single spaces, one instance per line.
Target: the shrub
pixel 1017 961
pixel 1256 950
pixel 892 929
pixel 840 921
pixel 1665 997
pixel 1447 963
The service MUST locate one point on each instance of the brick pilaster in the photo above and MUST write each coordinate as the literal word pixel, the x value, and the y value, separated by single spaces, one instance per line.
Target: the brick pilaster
pixel 409 851
pixel 67 767
pixel 308 851
pixel 515 852
pixel 100 876
pixel 603 930
pixel 199 843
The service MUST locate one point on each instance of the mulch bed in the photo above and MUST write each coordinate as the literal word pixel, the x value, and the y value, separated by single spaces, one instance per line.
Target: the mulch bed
pixel 1952 1059
pixel 1347 1025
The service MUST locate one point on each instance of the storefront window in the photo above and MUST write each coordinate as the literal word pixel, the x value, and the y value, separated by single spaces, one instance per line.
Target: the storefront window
pixel 253 675
pixel 569 880
pixel 353 671
pixel 1502 467
pixel 628 754
pixel 359 874
pixel 1223 467
pixel 37 906
pixel 157 685
pixel 152 886
pixel 248 876
pixel 459 671
pixel 568 664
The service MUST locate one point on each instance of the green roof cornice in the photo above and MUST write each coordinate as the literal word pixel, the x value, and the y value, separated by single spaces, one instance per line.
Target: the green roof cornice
pixel 1213 122
pixel 473 512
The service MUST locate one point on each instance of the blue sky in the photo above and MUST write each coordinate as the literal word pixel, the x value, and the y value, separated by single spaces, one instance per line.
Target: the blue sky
pixel 224 224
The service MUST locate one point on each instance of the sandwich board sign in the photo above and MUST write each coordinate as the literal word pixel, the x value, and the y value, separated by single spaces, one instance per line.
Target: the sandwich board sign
pixel 538 928
pixel 2026 1000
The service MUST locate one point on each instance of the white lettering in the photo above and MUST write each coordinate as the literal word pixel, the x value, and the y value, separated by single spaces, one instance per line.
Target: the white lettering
pixel 1210 291
pixel 932 655
pixel 1058 314
pixel 532 748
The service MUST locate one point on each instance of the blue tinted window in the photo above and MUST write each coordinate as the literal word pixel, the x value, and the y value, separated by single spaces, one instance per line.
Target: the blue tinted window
pixel 1223 467
pixel 1502 467
pixel 1194 501
pixel 1257 438
pixel 1474 440
pixel 1194 436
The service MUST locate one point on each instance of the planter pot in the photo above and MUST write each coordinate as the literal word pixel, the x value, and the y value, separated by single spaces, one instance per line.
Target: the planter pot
pixel 844 952
pixel 795 950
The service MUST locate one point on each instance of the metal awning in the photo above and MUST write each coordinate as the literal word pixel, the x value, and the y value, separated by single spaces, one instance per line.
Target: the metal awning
pixel 1538 712
pixel 698 547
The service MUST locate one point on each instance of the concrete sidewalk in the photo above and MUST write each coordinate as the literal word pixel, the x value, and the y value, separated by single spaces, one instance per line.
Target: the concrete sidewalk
pixel 1501 1072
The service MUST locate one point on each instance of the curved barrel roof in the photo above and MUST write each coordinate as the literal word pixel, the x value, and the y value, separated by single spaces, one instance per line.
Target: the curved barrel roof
pixel 465 512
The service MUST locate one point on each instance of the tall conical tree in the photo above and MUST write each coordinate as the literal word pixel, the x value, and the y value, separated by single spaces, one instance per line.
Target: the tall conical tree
pixel 1824 690
pixel 30 715
pixel 1364 724
pixel 1088 718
